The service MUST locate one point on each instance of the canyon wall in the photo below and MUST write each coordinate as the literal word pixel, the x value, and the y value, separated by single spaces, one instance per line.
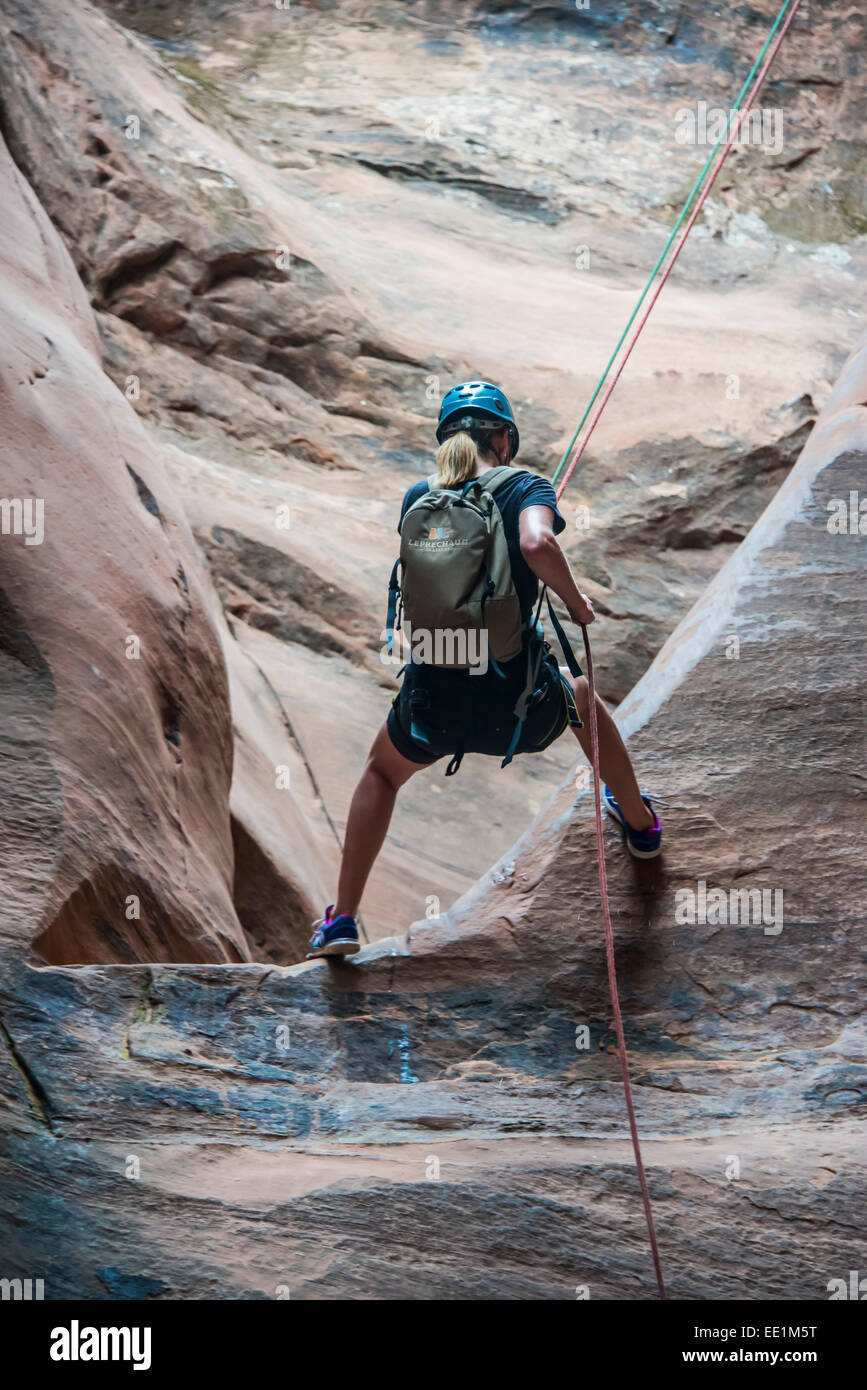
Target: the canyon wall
pixel 442 1115
pixel 297 227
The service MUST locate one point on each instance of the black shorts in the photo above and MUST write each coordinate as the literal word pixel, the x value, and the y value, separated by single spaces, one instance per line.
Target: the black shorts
pixel 439 713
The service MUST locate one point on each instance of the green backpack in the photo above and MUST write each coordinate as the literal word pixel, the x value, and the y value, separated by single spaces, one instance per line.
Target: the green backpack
pixel 457 592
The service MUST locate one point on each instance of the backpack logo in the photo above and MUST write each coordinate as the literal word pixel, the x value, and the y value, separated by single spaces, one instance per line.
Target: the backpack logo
pixel 435 533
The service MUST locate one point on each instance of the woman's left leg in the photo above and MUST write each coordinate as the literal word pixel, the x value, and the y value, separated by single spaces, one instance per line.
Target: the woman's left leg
pixel 370 811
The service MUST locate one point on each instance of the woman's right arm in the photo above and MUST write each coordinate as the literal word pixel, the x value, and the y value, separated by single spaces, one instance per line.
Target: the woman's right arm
pixel 541 550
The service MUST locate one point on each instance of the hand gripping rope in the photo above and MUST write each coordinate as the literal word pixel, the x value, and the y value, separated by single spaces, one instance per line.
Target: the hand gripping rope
pixel 702 187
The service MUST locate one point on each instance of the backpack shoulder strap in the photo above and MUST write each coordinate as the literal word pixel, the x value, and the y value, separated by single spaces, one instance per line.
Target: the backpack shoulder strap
pixel 494 477
pixel 490 480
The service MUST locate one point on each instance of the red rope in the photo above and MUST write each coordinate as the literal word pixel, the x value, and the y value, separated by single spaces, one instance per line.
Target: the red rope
pixel 736 125
pixel 612 973
pixel 594 729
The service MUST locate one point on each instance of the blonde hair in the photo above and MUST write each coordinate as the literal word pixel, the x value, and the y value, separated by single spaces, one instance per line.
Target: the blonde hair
pixel 457 457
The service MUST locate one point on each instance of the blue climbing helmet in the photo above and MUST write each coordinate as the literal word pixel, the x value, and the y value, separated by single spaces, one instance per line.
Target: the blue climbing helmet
pixel 475 405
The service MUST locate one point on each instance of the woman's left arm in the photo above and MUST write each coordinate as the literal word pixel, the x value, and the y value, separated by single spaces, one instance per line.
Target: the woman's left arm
pixel 541 549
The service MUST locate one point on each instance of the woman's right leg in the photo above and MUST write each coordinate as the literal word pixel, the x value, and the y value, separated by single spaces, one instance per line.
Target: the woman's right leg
pixel 370 811
pixel 614 761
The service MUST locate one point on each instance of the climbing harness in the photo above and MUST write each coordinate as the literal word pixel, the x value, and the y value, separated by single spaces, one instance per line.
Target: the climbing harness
pixel 714 164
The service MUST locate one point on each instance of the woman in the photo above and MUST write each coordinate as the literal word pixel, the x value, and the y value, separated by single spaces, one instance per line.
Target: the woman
pixel 442 710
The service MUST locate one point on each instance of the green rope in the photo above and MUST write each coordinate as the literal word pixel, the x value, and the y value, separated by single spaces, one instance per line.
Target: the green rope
pixel 685 210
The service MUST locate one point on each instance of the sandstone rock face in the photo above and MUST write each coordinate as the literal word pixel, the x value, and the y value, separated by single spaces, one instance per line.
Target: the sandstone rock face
pixel 296 227
pixel 117 750
pixel 119 738
pixel 419 1122
pixel 442 1116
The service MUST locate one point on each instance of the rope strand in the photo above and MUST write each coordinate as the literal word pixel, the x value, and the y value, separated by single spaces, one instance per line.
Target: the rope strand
pixel 773 44
pixel 612 973
pixel 678 248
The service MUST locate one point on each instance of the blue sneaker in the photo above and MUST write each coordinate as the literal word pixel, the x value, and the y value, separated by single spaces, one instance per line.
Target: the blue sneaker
pixel 334 936
pixel 643 844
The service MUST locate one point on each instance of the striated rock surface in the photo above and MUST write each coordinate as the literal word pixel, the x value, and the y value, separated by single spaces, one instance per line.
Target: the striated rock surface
pixel 117 734
pixel 117 750
pixel 297 226
pixel 442 1116
pixel 432 1119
